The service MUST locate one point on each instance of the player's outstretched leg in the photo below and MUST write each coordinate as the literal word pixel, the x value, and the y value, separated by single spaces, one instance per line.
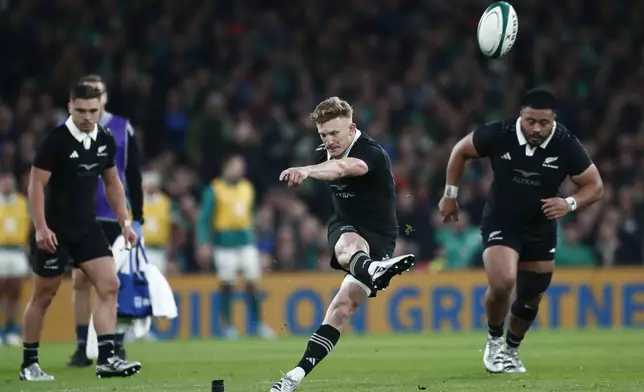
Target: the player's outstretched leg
pixel 500 267
pixel 81 291
pixel 351 252
pixel 102 273
pixel 530 288
pixel 382 271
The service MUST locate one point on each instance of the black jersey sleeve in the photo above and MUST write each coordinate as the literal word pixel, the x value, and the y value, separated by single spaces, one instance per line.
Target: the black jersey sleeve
pixel 370 154
pixel 111 151
pixel 46 152
pixel 484 139
pixel 578 159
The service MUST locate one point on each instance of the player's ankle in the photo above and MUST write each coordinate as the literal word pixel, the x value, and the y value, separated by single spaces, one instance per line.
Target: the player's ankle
pixel 360 267
pixel 29 354
pixel 495 331
pixel 297 374
pixel 105 348
pixel 512 340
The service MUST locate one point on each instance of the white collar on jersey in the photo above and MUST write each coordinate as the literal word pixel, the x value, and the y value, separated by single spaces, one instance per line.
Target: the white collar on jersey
pixel 529 150
pixel 348 150
pixel 81 136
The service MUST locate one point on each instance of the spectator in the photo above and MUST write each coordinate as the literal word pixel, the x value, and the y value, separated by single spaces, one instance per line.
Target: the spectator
pixel 459 242
pixel 571 252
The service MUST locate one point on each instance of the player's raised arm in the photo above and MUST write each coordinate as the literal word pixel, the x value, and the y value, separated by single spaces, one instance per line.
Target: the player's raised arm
pixel 329 170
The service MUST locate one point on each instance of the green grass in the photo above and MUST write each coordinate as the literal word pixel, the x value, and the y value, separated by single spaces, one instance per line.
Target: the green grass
pixel 610 361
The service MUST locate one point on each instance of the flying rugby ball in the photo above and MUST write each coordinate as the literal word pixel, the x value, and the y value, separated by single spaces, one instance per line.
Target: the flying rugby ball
pixel 497 29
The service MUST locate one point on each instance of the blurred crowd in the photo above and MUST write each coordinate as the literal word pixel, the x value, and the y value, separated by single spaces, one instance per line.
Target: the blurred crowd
pixel 201 79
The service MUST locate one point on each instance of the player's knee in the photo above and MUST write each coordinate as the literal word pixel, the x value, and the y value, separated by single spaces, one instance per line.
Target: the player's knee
pixel 80 281
pixel 347 246
pixel 524 311
pixel 108 288
pixel 43 296
pixel 532 285
pixel 501 285
pixel 500 266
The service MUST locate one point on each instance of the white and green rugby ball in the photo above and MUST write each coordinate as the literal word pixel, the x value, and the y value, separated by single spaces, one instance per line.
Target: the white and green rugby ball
pixel 497 29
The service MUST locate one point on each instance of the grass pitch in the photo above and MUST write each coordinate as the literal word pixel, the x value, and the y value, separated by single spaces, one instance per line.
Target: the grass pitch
pixel 607 360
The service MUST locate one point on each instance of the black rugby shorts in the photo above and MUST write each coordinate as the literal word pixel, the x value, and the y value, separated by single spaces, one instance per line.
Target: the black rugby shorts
pixel 531 243
pixel 89 245
pixel 112 231
pixel 381 246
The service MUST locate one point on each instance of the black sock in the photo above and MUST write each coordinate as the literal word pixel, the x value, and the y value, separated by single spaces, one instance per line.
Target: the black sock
pixel 320 345
pixel 119 338
pixel 359 267
pixel 105 347
pixel 512 340
pixel 81 337
pixel 496 331
pixel 29 354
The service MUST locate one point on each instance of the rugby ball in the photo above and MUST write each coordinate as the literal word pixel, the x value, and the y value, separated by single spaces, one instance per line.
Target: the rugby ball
pixel 497 29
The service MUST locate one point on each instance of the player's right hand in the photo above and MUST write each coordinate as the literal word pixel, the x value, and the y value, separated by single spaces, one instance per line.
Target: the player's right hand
pixel 46 240
pixel 294 176
pixel 448 207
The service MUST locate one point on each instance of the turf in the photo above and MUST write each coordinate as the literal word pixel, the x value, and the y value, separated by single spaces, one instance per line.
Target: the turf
pixel 556 361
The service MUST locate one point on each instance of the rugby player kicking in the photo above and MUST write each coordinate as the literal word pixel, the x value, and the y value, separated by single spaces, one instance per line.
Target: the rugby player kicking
pixel 362 231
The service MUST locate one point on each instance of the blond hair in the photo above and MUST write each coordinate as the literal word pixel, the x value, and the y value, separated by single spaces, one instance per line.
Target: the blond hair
pixel 330 109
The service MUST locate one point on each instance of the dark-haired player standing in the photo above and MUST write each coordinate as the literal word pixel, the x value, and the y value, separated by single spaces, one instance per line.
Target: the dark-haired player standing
pixel 128 167
pixel 531 156
pixel 62 193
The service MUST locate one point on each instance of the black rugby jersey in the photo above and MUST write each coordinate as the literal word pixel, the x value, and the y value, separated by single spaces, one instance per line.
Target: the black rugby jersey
pixel 523 175
pixel 367 201
pixel 70 195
